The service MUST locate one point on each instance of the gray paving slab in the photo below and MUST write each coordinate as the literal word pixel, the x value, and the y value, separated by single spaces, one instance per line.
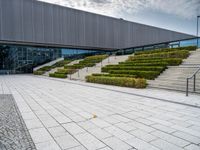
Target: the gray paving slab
pixel 75 115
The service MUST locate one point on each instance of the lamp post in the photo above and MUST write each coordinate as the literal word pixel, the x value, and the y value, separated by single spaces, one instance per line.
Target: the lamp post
pixel 198 30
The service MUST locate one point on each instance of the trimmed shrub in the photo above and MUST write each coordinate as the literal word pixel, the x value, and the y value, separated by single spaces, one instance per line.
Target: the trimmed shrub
pixel 143 68
pixel 114 75
pixel 75 66
pixel 87 62
pixel 57 75
pixel 45 68
pixel 65 71
pixel 118 81
pixel 174 54
pixel 61 63
pixel 96 57
pixel 189 48
pixel 169 61
pixel 139 74
pixel 38 72
pixel 142 64
pixel 62 71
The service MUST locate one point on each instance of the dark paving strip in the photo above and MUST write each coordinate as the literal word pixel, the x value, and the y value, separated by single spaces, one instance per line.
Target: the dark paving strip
pixel 14 134
pixel 118 91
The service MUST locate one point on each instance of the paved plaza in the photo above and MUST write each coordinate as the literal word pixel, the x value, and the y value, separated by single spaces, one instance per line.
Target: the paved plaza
pixel 73 115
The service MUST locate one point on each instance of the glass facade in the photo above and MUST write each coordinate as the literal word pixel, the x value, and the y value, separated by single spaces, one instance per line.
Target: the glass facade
pixel 22 59
pixel 190 42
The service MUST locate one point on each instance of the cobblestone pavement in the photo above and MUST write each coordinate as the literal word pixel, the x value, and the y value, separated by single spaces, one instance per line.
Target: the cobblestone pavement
pixel 76 116
pixel 13 132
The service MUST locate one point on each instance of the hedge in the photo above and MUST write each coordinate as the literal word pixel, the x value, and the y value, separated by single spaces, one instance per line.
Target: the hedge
pixel 62 71
pixel 96 57
pixel 170 61
pixel 38 72
pixel 61 63
pixel 174 54
pixel 118 81
pixel 87 62
pixel 114 75
pixel 57 75
pixel 143 68
pixel 143 64
pixel 139 74
pixel 45 68
pixel 190 48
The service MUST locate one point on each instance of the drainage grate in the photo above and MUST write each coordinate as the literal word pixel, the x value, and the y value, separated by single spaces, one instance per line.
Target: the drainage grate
pixel 14 134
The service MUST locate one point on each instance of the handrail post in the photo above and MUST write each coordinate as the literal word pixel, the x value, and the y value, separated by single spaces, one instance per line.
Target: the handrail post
pixel 194 88
pixel 78 73
pixel 187 87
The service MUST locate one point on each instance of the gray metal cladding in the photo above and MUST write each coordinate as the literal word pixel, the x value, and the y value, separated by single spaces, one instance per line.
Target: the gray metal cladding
pixel 31 21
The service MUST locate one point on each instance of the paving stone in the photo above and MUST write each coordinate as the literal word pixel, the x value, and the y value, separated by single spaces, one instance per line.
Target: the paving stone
pixel 143 135
pixel 77 148
pixel 165 145
pixel 147 121
pixel 29 116
pixel 164 128
pixel 34 123
pixel 160 121
pixel 187 137
pixel 87 125
pixel 141 126
pixel 121 118
pixel 67 141
pixel 99 133
pixel 187 130
pixel 40 135
pixel 73 128
pixel 192 147
pixel 62 119
pixel 125 127
pixel 116 144
pixel 48 121
pixel 180 123
pixel 195 127
pixel 100 123
pixel 140 144
pixel 170 138
pixel 57 131
pixel 118 133
pixel 131 116
pixel 105 148
pixel 111 120
pixel 49 145
pixel 89 141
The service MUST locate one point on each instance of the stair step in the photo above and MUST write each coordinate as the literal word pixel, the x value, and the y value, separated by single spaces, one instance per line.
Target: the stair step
pixel 171 83
pixel 176 87
pixel 176 80
pixel 173 88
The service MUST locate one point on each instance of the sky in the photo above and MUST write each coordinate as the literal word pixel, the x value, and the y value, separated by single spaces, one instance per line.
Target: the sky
pixel 176 15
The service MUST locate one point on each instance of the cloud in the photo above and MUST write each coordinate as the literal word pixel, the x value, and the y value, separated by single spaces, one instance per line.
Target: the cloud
pixel 119 8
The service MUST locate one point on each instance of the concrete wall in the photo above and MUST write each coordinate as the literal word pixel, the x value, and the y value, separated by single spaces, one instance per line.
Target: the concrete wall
pixel 34 22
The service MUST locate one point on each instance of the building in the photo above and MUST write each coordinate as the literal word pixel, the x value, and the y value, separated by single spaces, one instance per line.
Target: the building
pixel 34 32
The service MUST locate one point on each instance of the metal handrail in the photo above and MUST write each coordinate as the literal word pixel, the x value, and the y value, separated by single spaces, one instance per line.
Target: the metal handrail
pixel 194 81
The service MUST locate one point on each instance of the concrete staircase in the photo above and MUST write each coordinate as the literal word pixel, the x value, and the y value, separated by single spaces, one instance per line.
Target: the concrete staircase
pixel 55 69
pixel 49 63
pixel 175 77
pixel 82 73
